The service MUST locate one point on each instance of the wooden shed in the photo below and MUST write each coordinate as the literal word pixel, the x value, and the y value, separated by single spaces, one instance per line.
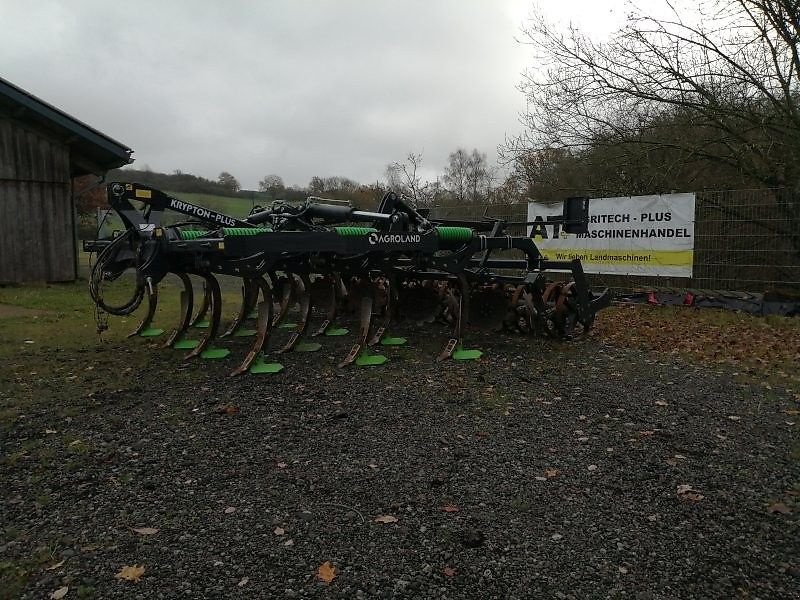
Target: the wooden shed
pixel 41 150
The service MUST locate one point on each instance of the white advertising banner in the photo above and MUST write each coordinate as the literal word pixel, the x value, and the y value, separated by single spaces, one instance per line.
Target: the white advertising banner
pixel 632 235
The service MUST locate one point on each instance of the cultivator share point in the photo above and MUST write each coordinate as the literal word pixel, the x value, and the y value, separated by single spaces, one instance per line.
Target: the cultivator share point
pixel 303 268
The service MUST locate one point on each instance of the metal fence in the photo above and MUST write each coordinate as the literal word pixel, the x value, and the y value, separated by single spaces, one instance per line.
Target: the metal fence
pixel 745 240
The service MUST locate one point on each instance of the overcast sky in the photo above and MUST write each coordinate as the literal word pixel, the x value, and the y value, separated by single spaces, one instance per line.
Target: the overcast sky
pixel 292 87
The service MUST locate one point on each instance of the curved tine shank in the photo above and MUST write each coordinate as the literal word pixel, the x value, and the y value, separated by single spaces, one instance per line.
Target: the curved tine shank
pixel 263 328
pixel 459 308
pixel 302 286
pixel 366 323
pixel 249 299
pixel 201 313
pixel 215 306
pixel 287 295
pixel 391 302
pixel 152 304
pixel 187 301
pixel 336 295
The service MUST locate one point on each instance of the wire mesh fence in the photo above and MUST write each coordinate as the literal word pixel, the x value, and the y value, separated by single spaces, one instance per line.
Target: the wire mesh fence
pixel 745 240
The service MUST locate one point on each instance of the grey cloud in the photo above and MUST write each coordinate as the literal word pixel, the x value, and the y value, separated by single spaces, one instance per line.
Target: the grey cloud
pixel 298 88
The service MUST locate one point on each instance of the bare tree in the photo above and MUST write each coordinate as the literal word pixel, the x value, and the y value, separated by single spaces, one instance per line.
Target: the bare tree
pixel 468 176
pixel 272 184
pixel 229 182
pixel 404 177
pixel 728 70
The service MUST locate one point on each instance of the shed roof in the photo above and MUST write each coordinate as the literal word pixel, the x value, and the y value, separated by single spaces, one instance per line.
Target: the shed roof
pixel 90 150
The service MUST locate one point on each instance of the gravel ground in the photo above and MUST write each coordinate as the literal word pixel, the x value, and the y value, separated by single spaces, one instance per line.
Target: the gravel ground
pixel 542 470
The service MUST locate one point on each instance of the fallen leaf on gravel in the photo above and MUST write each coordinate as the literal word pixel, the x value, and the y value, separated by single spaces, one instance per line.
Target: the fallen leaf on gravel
pixel 227 409
pixel 779 507
pixel 279 531
pixel 623 570
pixel 481 434
pixel 288 543
pixel 556 536
pixel 687 492
pixel 386 519
pixel 734 417
pixel 792 412
pixel 549 473
pixel 646 433
pixel 50 431
pixel 282 465
pixel 539 478
pixel 449 572
pixel 680 457
pixel 243 582
pixel 671 462
pixel 55 566
pixel 326 572
pixel 145 530
pixel 59 593
pixel 450 508
pixel 131 573
pixel 230 510
pixel 661 403
pixel 592 467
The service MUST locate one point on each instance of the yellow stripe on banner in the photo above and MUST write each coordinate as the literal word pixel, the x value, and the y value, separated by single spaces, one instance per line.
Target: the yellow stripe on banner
pixel 671 258
pixel 144 194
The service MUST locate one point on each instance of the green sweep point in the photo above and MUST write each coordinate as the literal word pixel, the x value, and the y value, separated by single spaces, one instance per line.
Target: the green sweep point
pixel 185 344
pixel 244 333
pixel 393 341
pixel 201 325
pixel 307 347
pixel 151 332
pixel 467 354
pixel 214 353
pixel 336 332
pixel 287 325
pixel 371 360
pixel 264 368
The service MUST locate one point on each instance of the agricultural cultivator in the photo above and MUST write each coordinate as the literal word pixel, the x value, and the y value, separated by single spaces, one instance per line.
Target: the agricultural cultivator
pixel 306 268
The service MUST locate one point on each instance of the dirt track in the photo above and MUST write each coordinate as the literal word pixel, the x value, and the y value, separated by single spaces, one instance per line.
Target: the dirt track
pixel 560 467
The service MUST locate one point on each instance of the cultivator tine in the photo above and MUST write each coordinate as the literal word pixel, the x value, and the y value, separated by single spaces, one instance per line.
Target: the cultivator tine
pixel 199 321
pixel 358 353
pixel 253 362
pixel 187 301
pixel 249 300
pixel 301 289
pixel 328 290
pixel 389 297
pixel 204 348
pixel 143 329
pixel 286 286
pixel 457 307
